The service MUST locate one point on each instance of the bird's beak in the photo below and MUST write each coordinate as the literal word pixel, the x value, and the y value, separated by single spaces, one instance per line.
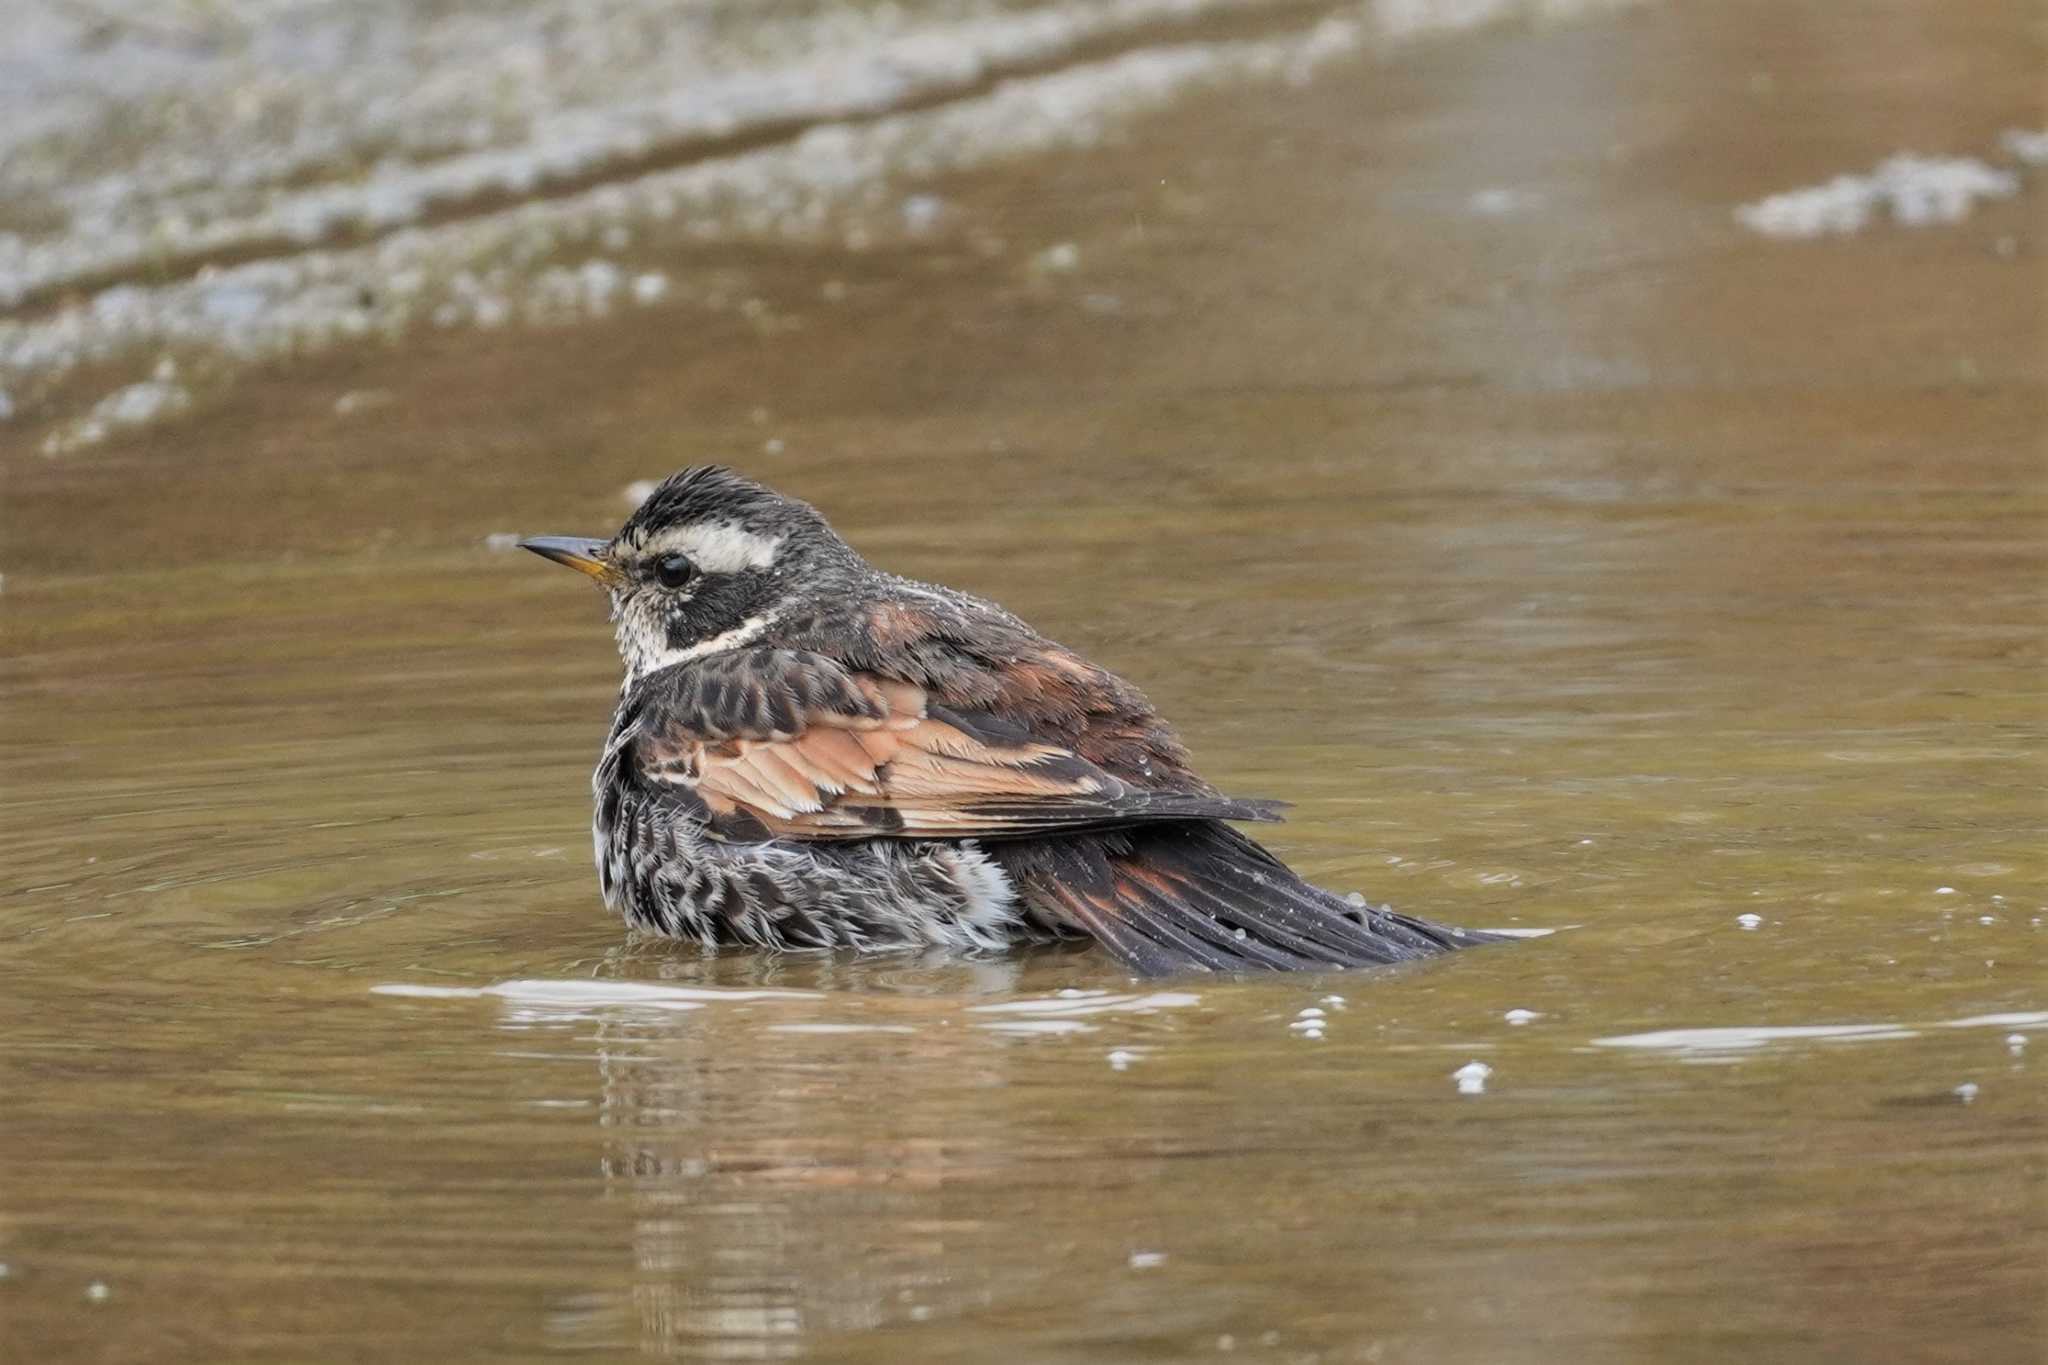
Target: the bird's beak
pixel 580 553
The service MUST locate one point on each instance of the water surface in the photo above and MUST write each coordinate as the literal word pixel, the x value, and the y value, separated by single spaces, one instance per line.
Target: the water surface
pixel 1436 446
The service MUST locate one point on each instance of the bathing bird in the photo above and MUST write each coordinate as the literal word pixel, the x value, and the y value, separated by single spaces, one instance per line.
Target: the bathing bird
pixel 811 753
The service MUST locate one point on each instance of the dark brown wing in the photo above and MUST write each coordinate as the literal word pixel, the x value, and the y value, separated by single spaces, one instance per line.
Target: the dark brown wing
pixel 796 745
pixel 1201 896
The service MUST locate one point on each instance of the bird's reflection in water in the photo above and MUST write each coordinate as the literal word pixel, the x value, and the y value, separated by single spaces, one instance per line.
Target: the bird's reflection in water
pixel 806 1147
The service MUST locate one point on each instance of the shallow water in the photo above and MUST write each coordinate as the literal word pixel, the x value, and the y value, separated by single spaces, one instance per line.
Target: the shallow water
pixel 1436 445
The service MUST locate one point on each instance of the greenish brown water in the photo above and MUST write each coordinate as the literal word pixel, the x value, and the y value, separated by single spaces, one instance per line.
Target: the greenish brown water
pixel 1596 566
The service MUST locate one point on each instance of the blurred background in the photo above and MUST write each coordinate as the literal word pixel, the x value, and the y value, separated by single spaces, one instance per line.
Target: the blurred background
pixel 1587 455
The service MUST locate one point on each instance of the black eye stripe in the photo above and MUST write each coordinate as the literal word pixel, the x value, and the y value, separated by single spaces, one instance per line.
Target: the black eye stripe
pixel 672 571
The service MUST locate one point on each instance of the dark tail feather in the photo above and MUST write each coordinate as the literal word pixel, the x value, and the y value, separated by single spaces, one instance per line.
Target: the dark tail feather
pixel 1202 897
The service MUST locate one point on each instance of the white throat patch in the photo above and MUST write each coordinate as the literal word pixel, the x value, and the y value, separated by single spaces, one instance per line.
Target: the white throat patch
pixel 642 658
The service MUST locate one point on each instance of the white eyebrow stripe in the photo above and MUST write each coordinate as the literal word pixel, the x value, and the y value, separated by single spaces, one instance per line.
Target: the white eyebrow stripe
pixel 718 546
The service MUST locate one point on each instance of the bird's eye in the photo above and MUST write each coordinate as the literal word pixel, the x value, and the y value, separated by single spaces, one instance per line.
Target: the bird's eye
pixel 672 571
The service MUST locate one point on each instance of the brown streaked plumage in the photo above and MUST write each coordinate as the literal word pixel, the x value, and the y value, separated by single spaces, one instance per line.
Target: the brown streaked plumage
pixel 810 752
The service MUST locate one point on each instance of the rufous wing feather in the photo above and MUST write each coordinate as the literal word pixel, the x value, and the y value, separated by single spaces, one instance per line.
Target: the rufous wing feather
pixel 870 757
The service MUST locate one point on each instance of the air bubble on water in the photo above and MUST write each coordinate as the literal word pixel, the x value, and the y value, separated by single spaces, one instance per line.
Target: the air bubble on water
pixel 1121 1059
pixel 1472 1077
pixel 97 1292
pixel 500 541
pixel 921 213
pixel 1966 1092
pixel 1750 921
pixel 2015 1043
pixel 1310 1013
pixel 1987 919
pixel 1944 890
pixel 1519 1017
pixel 650 287
pixel 1498 203
pixel 360 400
pixel 1058 258
pixel 1335 1002
pixel 1145 1260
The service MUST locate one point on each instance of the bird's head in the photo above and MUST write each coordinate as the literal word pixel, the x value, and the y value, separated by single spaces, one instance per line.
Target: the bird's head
pixel 710 561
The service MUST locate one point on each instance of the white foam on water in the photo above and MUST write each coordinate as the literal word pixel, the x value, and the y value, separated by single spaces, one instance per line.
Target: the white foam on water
pixel 1752 1037
pixel 2022 1019
pixel 1914 191
pixel 1069 1004
pixel 1068 1011
pixel 409 991
pixel 425 113
pixel 540 999
pixel 1472 1077
pixel 2024 144
pixel 133 405
pixel 1037 1027
pixel 834 1030
pixel 1714 1044
pixel 501 101
pixel 1425 18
